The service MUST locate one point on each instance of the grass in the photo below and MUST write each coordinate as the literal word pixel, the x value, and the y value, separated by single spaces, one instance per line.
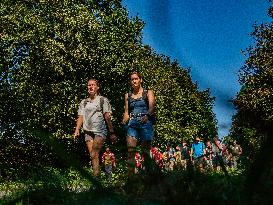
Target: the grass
pixel 55 186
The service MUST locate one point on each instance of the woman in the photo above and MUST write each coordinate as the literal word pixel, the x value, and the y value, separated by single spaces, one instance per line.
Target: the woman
pixel 94 114
pixel 139 108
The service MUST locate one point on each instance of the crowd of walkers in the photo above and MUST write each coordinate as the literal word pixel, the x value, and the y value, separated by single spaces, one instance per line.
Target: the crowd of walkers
pixel 210 155
pixel 94 119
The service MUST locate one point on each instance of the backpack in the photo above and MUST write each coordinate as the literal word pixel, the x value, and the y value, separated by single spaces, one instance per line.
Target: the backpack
pixel 101 102
pixel 152 117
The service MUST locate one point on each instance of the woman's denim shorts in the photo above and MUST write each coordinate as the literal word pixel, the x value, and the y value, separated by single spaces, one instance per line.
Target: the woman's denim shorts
pixel 140 131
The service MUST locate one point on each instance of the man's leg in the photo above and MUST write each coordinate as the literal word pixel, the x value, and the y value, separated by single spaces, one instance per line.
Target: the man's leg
pixel 97 145
pixel 89 144
pixel 108 170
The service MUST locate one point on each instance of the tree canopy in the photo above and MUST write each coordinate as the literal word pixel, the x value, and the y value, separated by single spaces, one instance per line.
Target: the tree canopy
pixel 255 99
pixel 50 49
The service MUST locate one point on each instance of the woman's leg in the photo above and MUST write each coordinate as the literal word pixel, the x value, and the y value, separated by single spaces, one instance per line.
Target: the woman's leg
pixel 146 147
pixel 131 145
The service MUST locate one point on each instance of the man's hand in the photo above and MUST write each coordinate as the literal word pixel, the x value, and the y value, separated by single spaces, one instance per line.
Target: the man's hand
pixel 76 134
pixel 113 138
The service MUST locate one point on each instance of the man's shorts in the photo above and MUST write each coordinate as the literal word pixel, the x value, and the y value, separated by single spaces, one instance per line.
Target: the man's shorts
pixel 89 135
pixel 140 131
pixel 216 160
pixel 199 161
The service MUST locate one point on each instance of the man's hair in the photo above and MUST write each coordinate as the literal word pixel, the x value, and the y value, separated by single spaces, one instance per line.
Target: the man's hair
pixel 215 139
pixel 94 79
pixel 97 82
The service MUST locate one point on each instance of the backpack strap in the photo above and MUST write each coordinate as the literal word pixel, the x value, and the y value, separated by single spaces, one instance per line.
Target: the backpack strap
pixel 101 103
pixel 85 102
pixel 129 94
pixel 145 97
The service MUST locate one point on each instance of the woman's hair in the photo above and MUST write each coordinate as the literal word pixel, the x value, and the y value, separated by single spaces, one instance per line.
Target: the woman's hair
pixel 137 73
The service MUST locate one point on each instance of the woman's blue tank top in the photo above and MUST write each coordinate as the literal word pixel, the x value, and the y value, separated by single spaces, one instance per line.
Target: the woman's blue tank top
pixel 139 105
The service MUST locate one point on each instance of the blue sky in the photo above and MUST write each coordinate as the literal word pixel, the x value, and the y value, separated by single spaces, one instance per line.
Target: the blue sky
pixel 206 36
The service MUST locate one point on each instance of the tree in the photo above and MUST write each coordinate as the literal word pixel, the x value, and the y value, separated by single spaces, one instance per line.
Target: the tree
pixel 51 49
pixel 255 99
pixel 254 119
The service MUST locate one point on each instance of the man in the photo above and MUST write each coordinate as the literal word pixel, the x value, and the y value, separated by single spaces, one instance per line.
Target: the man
pixel 108 159
pixel 198 151
pixel 185 154
pixel 94 114
pixel 217 152
pixel 237 152
pixel 170 153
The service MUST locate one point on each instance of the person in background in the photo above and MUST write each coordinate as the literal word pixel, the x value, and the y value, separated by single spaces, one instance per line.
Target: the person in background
pixel 138 162
pixel 170 154
pixel 109 162
pixel 209 155
pixel 237 152
pixel 217 149
pixel 185 154
pixel 178 158
pixel 198 151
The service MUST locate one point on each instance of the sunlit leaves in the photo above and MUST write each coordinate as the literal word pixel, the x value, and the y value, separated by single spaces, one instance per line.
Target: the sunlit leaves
pixel 255 99
pixel 68 42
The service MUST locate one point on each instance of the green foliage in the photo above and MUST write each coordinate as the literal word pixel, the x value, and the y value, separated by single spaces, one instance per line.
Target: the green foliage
pixel 256 75
pixel 253 123
pixel 255 99
pixel 51 49
pixel 53 186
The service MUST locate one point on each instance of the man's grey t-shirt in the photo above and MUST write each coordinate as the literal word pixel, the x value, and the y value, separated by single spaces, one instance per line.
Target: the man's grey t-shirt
pixel 92 113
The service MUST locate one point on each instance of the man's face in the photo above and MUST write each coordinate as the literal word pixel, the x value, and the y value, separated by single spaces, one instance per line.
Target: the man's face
pixel 92 87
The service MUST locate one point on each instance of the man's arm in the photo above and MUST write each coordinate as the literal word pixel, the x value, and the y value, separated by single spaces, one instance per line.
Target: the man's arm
pixel 103 158
pixel 78 126
pixel 204 149
pixel 191 153
pixel 108 120
pixel 113 160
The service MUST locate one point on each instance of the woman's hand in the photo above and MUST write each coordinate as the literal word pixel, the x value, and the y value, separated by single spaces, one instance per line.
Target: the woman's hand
pixel 125 121
pixel 144 119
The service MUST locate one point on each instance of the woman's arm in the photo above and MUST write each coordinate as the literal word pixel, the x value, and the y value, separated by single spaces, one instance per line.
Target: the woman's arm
pixel 151 100
pixel 126 110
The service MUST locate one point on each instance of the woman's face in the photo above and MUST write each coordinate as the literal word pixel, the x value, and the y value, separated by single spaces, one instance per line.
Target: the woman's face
pixel 135 81
pixel 92 87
